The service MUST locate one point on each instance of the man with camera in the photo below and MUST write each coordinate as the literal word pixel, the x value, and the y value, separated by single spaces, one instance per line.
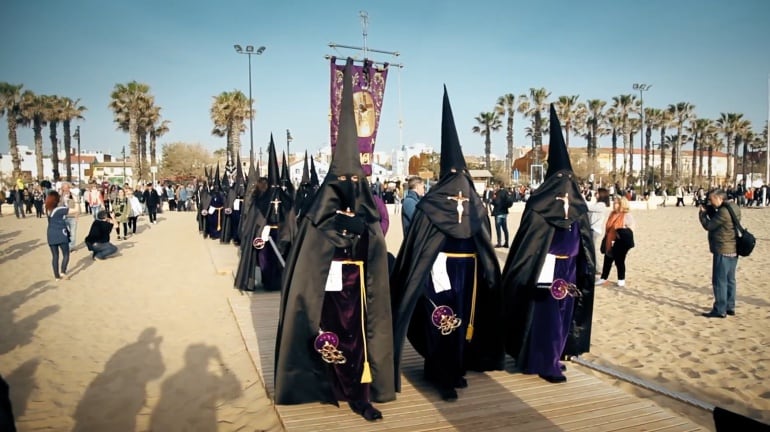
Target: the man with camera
pixel 98 239
pixel 715 218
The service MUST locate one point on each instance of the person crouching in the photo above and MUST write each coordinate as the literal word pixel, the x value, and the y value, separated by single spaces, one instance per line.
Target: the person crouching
pixel 98 239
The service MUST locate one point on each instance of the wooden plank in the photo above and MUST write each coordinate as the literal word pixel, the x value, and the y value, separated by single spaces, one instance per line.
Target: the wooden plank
pixel 497 400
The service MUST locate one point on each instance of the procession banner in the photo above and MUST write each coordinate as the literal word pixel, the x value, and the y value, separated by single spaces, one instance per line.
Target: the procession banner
pixel 368 92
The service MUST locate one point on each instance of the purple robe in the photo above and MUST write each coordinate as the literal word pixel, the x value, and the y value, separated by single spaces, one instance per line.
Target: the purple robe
pixel 444 353
pixel 341 314
pixel 551 318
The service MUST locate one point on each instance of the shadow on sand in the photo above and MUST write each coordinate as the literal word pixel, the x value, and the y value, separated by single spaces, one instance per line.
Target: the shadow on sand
pixel 114 398
pixel 189 398
pixel 16 250
pixel 19 333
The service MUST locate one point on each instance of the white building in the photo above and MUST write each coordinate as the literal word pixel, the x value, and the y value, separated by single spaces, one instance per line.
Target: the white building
pixel 28 160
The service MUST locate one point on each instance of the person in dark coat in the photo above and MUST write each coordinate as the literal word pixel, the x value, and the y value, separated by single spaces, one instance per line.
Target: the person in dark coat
pixel 215 212
pixel 445 290
pixel 548 278
pixel 152 201
pixel 305 192
pixel 334 339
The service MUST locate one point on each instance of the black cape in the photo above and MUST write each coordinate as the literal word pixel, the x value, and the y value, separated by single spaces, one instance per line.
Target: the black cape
pixel 431 227
pixel 527 254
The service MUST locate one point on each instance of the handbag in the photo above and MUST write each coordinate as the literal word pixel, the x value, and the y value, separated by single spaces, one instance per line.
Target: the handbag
pixel 744 240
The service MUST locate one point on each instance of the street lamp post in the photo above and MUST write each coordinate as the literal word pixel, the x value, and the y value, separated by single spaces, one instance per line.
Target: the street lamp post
pixel 76 135
pixel 642 88
pixel 288 142
pixel 249 51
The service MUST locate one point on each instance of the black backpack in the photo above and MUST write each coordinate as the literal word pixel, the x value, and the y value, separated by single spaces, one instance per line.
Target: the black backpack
pixel 744 240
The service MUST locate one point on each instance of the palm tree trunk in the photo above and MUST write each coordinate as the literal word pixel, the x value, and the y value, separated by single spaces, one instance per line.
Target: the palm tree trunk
pixel 153 157
pixel 53 124
pixel 700 163
pixel 487 147
pixel 614 155
pixel 631 155
pixel 739 139
pixel 143 152
pixel 711 158
pixel 730 161
pixel 37 126
pixel 67 149
pixel 14 144
pixel 647 137
pixel 237 146
pixel 538 137
pixel 694 159
pixel 134 148
pixel 509 141
pixel 662 153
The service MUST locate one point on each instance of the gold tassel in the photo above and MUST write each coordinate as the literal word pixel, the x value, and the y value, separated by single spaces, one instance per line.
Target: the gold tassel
pixel 366 377
pixel 469 333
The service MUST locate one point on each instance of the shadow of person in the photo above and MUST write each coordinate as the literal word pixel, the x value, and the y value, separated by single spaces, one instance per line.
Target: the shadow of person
pixel 18 249
pixel 188 399
pixel 114 398
pixel 22 382
pixel 82 264
pixel 19 333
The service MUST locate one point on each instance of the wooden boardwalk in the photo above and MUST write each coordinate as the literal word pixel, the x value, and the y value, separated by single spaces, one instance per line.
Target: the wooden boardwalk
pixel 493 401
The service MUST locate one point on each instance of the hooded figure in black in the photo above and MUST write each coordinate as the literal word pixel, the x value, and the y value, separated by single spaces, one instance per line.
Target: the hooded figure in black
pixel 203 201
pixel 215 212
pixel 548 278
pixel 248 277
pixel 273 235
pixel 286 183
pixel 305 192
pixel 445 282
pixel 334 339
pixel 233 209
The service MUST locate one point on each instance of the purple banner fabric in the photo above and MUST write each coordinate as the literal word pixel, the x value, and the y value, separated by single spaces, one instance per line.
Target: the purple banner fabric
pixel 368 91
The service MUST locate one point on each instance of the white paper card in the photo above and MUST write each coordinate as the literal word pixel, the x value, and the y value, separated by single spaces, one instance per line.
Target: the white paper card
pixel 334 279
pixel 237 205
pixel 439 274
pixel 546 273
pixel 212 209
pixel 265 233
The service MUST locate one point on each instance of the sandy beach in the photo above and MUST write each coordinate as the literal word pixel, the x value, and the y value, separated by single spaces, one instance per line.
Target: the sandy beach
pixel 147 340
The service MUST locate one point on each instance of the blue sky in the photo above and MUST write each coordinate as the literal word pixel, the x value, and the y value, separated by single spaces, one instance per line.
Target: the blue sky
pixel 713 54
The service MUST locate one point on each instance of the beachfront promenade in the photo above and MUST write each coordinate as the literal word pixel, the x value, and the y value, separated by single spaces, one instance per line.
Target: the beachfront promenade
pixel 157 339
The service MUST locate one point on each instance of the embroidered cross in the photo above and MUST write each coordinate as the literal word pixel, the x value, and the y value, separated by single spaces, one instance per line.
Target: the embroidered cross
pixel 566 204
pixel 460 199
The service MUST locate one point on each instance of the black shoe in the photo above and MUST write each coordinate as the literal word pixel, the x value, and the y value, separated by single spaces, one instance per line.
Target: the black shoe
pixel 498 245
pixel 713 314
pixel 554 379
pixel 731 312
pixel 461 383
pixel 505 245
pixel 448 394
pixel 365 410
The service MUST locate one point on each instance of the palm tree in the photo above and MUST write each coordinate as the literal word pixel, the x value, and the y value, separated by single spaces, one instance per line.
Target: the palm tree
pixel 488 122
pixel 615 123
pixel 70 110
pixel 33 113
pixel 653 119
pixel 699 129
pixel 229 112
pixel 712 144
pixel 535 106
pixel 743 135
pixel 157 131
pixel 624 105
pixel 10 107
pixel 508 105
pixel 680 113
pixel 566 108
pixel 595 120
pixel 127 102
pixel 52 115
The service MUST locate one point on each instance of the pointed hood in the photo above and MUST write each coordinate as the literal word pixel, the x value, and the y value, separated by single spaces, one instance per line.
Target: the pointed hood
pixel 313 174
pixel 305 172
pixel 273 175
pixel 442 201
pixel 451 153
pixel 217 180
pixel 240 183
pixel 558 157
pixel 346 159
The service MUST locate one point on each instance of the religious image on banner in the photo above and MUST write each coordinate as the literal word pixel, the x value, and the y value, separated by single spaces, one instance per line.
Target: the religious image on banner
pixel 368 91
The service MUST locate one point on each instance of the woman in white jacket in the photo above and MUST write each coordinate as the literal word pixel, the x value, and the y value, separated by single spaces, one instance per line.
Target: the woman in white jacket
pixel 136 210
